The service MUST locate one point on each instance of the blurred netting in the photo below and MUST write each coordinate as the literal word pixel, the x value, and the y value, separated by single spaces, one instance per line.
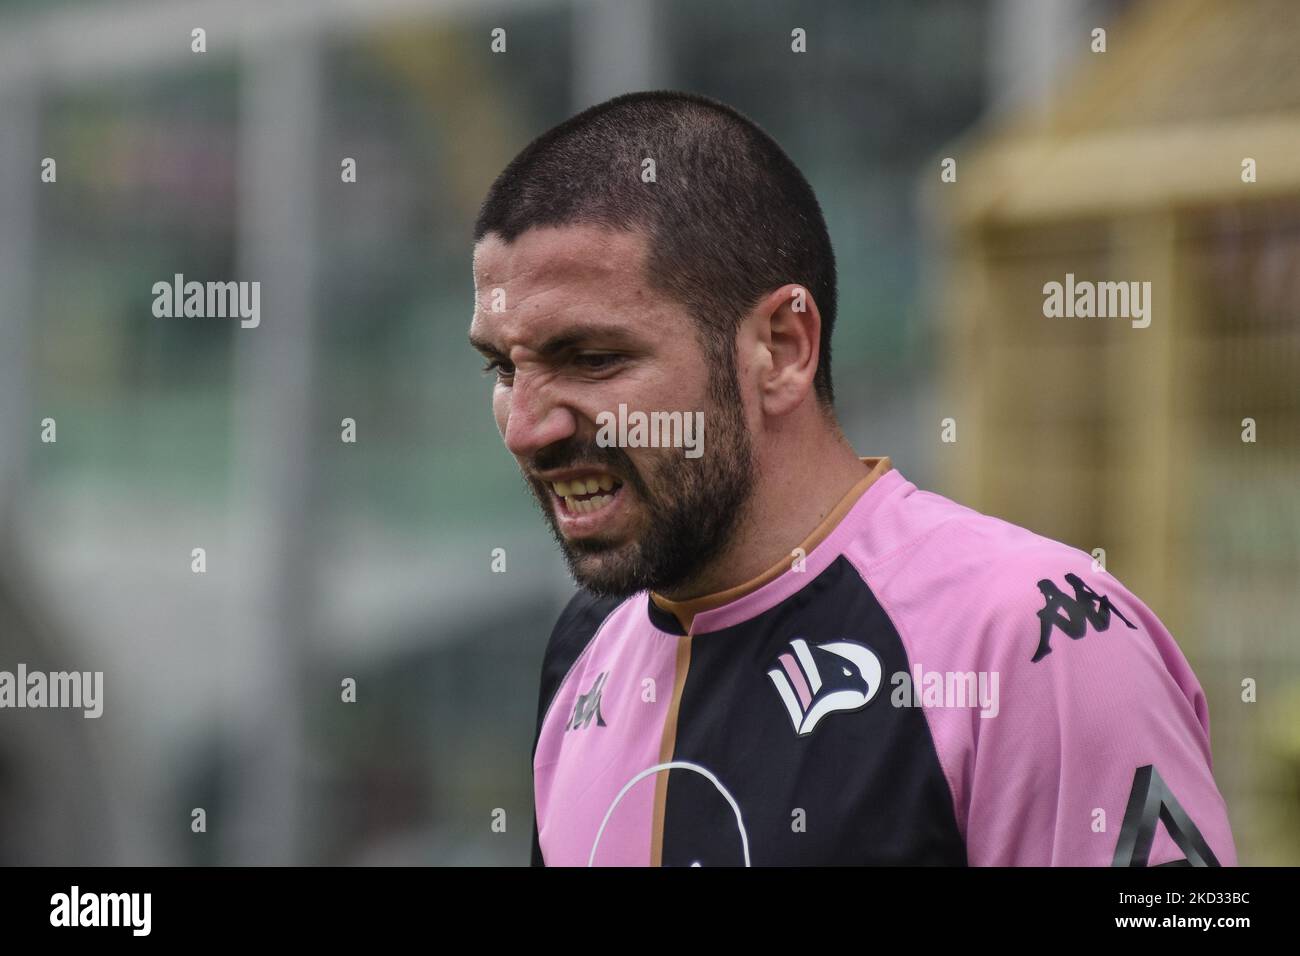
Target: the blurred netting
pixel 1175 448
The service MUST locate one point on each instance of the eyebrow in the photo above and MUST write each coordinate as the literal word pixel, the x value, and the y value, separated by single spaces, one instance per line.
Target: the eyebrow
pixel 482 345
pixel 564 340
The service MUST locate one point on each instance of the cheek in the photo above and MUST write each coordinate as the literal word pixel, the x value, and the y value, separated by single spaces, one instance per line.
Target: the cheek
pixel 678 383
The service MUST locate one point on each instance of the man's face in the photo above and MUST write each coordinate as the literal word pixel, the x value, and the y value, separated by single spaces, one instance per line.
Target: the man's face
pixel 572 329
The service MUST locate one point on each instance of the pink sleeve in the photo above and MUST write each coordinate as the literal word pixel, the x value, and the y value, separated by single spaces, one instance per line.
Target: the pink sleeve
pixel 1099 753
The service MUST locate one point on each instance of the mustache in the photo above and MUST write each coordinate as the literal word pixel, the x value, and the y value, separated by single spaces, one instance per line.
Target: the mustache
pixel 569 455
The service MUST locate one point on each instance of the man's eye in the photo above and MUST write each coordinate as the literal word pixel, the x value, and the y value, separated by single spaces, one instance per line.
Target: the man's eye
pixel 503 369
pixel 594 361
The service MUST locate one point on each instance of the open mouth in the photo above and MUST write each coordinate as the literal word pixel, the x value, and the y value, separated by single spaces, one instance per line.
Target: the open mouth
pixel 587 494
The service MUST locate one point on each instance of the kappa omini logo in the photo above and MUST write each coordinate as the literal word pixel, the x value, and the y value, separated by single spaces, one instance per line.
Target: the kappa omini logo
pixel 819 679
pixel 1073 616
pixel 587 706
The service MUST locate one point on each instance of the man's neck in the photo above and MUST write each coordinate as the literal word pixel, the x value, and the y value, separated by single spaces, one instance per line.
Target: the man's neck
pixel 791 498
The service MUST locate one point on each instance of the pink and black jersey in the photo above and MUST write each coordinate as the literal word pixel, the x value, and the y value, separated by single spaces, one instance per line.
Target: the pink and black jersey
pixel 919 684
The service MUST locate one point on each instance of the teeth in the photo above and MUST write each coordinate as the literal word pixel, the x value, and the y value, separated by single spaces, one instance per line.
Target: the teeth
pixel 584 486
pixel 587 505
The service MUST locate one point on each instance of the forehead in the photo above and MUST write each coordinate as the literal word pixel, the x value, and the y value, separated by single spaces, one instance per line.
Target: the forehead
pixel 557 268
pixel 572 250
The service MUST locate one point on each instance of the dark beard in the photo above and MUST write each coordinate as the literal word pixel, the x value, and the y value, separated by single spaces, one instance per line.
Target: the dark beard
pixel 690 510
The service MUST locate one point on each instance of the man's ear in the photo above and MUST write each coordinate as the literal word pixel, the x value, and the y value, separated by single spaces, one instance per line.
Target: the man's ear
pixel 787 327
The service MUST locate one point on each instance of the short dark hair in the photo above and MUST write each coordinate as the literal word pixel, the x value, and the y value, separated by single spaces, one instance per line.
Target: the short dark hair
pixel 729 218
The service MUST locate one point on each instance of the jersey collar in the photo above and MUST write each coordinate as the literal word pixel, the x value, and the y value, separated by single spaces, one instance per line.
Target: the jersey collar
pixel 677 616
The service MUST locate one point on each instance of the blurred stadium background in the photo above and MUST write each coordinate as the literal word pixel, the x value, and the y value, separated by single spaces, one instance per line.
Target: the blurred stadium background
pixel 329 560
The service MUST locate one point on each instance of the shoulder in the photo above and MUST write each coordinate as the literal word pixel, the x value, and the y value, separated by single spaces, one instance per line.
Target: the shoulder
pixel 1084 695
pixel 974 590
pixel 578 623
pixel 574 629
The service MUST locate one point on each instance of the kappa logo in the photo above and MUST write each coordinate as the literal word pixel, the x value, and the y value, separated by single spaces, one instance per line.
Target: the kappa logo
pixel 1072 615
pixel 820 679
pixel 587 706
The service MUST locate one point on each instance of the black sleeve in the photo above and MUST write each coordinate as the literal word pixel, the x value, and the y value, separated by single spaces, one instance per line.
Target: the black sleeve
pixel 576 626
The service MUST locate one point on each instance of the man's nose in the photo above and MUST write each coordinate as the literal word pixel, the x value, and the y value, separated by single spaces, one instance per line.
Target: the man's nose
pixel 535 419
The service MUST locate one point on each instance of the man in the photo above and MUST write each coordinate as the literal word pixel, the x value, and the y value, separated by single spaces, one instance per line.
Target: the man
pixel 748 673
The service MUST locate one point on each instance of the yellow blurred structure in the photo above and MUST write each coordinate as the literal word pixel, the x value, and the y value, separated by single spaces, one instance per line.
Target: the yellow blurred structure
pixel 1172 158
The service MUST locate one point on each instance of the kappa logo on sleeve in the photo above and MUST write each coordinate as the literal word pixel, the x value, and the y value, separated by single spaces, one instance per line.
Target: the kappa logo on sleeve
pixel 587 706
pixel 846 680
pixel 1072 615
